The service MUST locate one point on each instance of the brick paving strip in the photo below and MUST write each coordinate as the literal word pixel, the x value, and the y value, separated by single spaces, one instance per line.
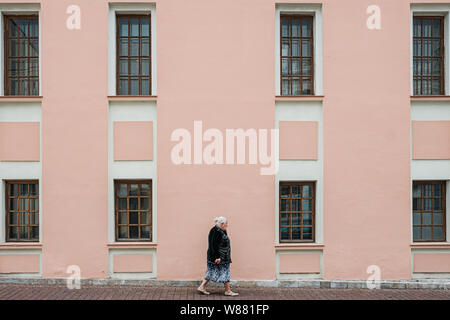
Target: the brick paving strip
pixel 90 292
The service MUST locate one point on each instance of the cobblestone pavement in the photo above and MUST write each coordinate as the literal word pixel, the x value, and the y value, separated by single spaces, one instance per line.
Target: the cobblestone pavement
pixel 58 292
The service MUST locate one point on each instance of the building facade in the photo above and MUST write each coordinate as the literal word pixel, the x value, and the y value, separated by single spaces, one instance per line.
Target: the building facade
pixel 320 129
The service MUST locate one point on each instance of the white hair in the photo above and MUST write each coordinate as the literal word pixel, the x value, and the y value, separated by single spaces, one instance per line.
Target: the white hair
pixel 219 220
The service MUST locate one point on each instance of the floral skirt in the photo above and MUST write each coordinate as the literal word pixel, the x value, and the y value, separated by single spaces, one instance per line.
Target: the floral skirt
pixel 218 272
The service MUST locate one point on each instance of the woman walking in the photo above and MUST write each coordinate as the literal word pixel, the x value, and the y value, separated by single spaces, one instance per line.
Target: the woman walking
pixel 218 257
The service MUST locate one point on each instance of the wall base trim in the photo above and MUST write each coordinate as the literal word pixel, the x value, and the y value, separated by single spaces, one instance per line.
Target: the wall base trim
pixel 429 284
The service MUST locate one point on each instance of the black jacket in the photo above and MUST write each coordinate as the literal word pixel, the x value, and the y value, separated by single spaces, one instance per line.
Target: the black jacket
pixel 218 245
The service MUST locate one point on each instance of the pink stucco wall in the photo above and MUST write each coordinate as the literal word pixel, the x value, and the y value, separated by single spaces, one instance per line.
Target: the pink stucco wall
pixel 298 140
pixel 216 63
pixel 133 140
pixel 19 141
pixel 431 140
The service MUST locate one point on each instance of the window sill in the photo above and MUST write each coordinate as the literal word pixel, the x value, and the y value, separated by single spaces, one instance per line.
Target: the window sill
pixel 299 98
pixel 132 245
pixel 21 245
pixel 21 98
pixel 132 98
pixel 430 98
pixel 302 246
pixel 430 245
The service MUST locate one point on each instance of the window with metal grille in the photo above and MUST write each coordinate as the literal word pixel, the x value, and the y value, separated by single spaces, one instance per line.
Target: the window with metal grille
pixel 133 206
pixel 428 56
pixel 22 211
pixel 21 55
pixel 297 52
pixel 297 210
pixel 134 54
pixel 429 211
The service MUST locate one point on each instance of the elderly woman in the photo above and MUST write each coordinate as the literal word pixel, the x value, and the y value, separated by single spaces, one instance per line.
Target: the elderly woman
pixel 218 257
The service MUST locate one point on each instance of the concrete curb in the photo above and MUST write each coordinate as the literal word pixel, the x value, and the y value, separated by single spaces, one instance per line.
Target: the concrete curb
pixel 428 284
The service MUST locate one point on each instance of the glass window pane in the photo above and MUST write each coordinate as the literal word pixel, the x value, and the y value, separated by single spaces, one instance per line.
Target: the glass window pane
pixel 295 205
pixel 23 27
pixel 145 67
pixel 145 189
pixel 295 48
pixel 306 204
pixel 285 87
pixel 296 219
pixel 13 232
pixel 296 67
pixel 438 218
pixel 426 218
pixel 306 89
pixel 296 87
pixel 34 48
pixel 306 27
pixel 123 232
pixel 34 233
pixel 307 191
pixel 145 218
pixel 134 232
pixel 123 47
pixel 426 233
pixel 123 84
pixel 417 27
pixel 134 67
pixel 285 27
pixel 436 27
pixel 284 233
pixel 416 234
pixel 306 48
pixel 426 27
pixel 284 191
pixel 122 190
pixel 145 203
pixel 285 48
pixel 34 204
pixel 306 66
pixel 416 218
pixel 427 204
pixel 133 203
pixel 134 47
pixel 123 27
pixel 23 67
pixel 23 190
pixel 134 86
pixel 296 234
pixel 284 205
pixel 13 218
pixel 285 66
pixel 123 218
pixel 122 202
pixel 295 27
pixel 34 218
pixel 145 86
pixel 438 233
pixel 13 48
pixel 23 48
pixel 307 219
pixel 23 89
pixel 145 28
pixel 134 217
pixel 34 28
pixel 13 26
pixel 134 26
pixel 145 47
pixel 34 67
pixel 23 233
pixel 123 67
pixel 145 232
pixel 284 219
pixel 13 205
pixel 296 191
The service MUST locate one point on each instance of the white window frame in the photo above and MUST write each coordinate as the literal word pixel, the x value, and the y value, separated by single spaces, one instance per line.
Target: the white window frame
pixel 316 10
pixel 129 8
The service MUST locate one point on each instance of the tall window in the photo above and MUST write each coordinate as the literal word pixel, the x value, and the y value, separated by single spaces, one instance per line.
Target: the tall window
pixel 429 211
pixel 297 51
pixel 133 55
pixel 22 211
pixel 297 208
pixel 21 55
pixel 428 56
pixel 133 203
